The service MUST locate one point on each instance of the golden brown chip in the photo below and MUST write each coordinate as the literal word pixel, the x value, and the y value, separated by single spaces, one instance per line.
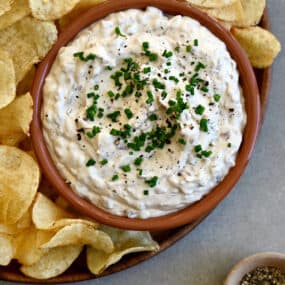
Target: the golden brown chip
pixel 81 7
pixel 5 6
pixel 230 13
pixel 261 46
pixel 211 3
pixel 19 180
pixel 26 84
pixel 27 41
pixel 53 263
pixel 28 245
pixel 6 249
pixel 125 242
pixel 253 11
pixel 19 9
pixel 7 80
pixel 15 120
pixel 81 234
pixel 47 215
pixel 51 9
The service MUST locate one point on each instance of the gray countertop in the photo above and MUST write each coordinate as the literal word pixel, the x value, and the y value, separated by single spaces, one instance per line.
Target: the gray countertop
pixel 249 220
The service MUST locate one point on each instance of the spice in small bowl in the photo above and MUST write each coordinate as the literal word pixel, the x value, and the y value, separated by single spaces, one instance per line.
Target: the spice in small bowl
pixel 264 275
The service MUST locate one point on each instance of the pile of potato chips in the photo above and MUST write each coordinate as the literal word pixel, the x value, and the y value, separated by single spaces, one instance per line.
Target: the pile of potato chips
pixel 37 228
pixel 241 17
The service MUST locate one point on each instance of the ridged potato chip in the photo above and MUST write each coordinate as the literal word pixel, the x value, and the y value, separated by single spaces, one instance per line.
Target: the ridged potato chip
pixel 5 6
pixel 6 249
pixel 81 7
pixel 7 80
pixel 19 10
pixel 253 11
pixel 28 245
pixel 27 41
pixel 229 13
pixel 19 180
pixel 53 263
pixel 81 234
pixel 51 9
pixel 15 120
pixel 125 242
pixel 47 215
pixel 261 46
pixel 212 3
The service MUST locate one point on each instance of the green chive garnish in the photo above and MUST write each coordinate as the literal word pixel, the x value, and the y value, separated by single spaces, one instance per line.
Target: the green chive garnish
pixel 217 97
pixel 128 113
pixel 199 110
pixel 118 32
pixel 204 125
pixel 138 161
pixel 90 162
pixel 126 168
pixel 152 182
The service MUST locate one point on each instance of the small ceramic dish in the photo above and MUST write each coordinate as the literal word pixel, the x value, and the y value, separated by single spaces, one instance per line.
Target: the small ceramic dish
pixel 249 263
pixel 252 105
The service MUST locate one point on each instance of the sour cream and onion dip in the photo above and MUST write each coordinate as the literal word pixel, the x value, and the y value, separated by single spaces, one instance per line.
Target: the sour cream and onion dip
pixel 143 113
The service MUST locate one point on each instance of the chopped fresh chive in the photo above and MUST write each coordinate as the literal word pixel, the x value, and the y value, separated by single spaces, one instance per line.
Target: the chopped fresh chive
pixel 163 94
pixel 91 112
pixel 206 153
pixel 111 94
pixel 128 113
pixel 138 161
pixel 204 125
pixel 153 57
pixel 157 84
pixel 104 162
pixel 149 148
pixel 128 91
pixel 138 94
pixel 95 130
pixel 199 66
pixel 188 48
pixel 113 116
pixel 115 177
pixel 90 162
pixel 145 192
pixel 167 54
pixel 90 95
pixel 152 182
pixel 229 145
pixel 177 49
pixel 190 89
pixel 118 32
pixel 109 67
pixel 204 89
pixel 150 97
pixel 199 110
pixel 126 168
pixel 217 97
pixel 182 74
pixel 171 102
pixel 146 70
pixel 145 46
pixel 173 78
pixel 96 87
pixel 80 55
pixel 196 42
pixel 168 63
pixel 115 132
pixel 152 117
pixel 182 141
pixel 198 148
pixel 166 71
pixel 140 172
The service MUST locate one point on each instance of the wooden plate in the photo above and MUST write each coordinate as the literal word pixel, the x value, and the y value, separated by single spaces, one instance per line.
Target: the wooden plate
pixel 79 272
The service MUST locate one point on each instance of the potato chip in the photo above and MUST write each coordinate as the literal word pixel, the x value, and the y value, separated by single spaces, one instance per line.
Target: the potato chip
pixel 47 215
pixel 81 234
pixel 6 249
pixel 81 7
pixel 125 242
pixel 25 85
pixel 27 41
pixel 5 6
pixel 261 46
pixel 212 3
pixel 51 9
pixel 19 10
pixel 28 245
pixel 253 11
pixel 53 263
pixel 15 120
pixel 230 13
pixel 19 180
pixel 7 80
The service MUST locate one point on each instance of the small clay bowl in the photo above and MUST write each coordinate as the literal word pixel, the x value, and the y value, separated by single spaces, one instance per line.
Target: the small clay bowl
pixel 249 263
pixel 196 210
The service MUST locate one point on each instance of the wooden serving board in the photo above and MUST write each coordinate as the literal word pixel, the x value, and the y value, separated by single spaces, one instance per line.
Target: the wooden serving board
pixel 79 272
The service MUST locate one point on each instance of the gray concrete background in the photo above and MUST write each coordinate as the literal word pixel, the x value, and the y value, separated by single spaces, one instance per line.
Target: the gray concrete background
pixel 249 220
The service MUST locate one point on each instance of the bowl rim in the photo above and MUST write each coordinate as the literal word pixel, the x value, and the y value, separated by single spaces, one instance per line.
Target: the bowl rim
pixel 249 263
pixel 218 193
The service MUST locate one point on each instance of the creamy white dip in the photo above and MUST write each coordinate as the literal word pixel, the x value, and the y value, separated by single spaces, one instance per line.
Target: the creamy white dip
pixel 183 114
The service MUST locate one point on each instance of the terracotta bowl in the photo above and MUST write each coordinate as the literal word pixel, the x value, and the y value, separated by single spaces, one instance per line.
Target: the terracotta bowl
pixel 249 263
pixel 196 210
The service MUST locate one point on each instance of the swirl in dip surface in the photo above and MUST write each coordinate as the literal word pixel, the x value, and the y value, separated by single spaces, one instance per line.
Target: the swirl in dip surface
pixel 143 113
